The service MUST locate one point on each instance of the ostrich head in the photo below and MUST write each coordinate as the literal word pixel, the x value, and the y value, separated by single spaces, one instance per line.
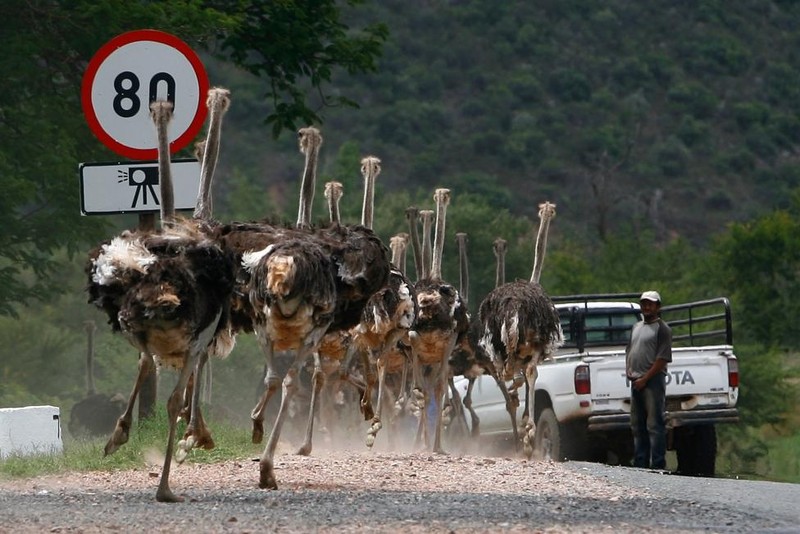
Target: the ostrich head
pixel 310 140
pixel 333 193
pixel 218 102
pixel 547 211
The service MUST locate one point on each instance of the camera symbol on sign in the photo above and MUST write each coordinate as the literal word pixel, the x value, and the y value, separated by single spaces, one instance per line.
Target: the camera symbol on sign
pixel 143 179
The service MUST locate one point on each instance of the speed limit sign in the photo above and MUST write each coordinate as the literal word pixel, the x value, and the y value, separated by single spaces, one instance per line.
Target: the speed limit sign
pixel 126 75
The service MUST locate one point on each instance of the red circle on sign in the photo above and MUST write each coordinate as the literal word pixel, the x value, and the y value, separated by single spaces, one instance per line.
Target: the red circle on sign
pixel 105 51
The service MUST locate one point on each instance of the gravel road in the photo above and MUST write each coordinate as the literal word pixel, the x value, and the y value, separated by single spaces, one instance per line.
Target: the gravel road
pixel 370 491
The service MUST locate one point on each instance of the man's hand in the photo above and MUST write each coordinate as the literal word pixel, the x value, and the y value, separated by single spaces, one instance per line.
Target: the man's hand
pixel 640 383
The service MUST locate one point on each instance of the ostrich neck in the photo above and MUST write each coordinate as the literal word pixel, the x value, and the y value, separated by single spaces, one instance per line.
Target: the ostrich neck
pixel 463 269
pixel 307 187
pixel 333 208
pixel 427 248
pixel 438 241
pixel 500 275
pixel 541 248
pixel 164 172
pixel 204 207
pixel 412 215
pixel 368 206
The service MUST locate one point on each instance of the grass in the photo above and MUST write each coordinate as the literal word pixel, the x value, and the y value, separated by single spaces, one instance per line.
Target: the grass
pixel 146 441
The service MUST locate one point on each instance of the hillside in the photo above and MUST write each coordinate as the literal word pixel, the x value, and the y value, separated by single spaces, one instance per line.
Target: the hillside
pixel 665 116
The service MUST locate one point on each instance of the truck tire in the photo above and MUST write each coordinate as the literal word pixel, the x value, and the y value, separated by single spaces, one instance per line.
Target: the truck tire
pixel 696 450
pixel 547 440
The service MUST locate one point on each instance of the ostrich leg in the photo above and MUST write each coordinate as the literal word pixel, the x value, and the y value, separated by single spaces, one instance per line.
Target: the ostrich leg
pixel 197 434
pixel 531 374
pixel 272 381
pixel 121 431
pixel 317 381
pixel 174 406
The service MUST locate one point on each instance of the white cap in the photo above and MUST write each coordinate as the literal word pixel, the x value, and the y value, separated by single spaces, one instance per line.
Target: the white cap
pixel 651 295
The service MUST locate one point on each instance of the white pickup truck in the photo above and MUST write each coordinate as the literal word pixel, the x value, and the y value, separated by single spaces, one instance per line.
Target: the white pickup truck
pixel 583 396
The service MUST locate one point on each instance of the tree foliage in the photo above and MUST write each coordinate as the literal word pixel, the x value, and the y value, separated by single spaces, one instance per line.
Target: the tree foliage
pixel 293 46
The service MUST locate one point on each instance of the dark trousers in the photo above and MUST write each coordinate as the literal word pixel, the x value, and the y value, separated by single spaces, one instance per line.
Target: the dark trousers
pixel 648 424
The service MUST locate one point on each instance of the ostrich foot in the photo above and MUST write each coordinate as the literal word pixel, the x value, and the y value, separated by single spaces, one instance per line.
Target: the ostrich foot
pixel 447 415
pixel 418 400
pixel 373 431
pixel 366 409
pixel 527 441
pixel 258 431
pixel 304 450
pixel 119 437
pixel 267 478
pixel 164 494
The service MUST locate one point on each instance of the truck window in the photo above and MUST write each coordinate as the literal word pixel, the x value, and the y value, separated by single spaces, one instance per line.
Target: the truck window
pixel 600 326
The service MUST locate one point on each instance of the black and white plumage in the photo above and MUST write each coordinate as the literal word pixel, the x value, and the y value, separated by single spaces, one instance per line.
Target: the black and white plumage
pixel 168 292
pixel 359 265
pixel 196 433
pixel 442 321
pixel 387 317
pixel 520 326
pixel 293 293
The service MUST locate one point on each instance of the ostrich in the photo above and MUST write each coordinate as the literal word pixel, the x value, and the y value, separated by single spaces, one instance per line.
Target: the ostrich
pixel 168 292
pixel 292 292
pixel 359 266
pixel 442 322
pixel 196 433
pixel 520 327
pixel 462 359
pixel 97 413
pixel 387 317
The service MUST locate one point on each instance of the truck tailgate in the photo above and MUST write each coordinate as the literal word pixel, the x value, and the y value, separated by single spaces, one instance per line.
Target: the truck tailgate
pixel 692 371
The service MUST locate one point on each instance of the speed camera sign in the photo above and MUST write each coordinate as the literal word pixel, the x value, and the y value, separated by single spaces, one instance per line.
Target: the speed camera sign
pixel 126 75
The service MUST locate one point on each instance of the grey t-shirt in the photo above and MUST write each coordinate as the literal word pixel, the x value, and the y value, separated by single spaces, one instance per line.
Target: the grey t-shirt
pixel 648 343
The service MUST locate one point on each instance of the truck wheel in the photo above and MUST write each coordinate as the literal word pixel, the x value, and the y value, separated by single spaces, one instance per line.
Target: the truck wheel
pixel 547 440
pixel 696 449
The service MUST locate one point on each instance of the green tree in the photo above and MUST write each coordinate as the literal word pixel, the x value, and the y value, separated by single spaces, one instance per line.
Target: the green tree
pixel 760 262
pixel 296 47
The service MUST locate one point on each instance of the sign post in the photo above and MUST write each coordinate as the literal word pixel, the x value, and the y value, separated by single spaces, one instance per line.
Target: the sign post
pixel 128 73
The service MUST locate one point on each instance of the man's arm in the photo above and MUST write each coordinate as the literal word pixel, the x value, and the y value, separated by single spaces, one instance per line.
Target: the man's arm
pixel 658 367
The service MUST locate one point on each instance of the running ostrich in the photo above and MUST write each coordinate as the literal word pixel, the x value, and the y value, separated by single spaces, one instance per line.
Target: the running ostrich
pixel 167 291
pixel 196 433
pixel 442 323
pixel 462 359
pixel 359 266
pixel 520 328
pixel 387 316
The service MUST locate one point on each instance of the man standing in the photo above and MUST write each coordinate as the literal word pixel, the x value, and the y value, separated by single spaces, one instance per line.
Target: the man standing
pixel 646 358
